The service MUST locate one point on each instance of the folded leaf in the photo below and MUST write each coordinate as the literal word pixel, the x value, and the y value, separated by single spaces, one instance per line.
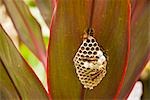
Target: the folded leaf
pixel 27 27
pixel 17 80
pixel 140 45
pixel 45 7
pixel 110 21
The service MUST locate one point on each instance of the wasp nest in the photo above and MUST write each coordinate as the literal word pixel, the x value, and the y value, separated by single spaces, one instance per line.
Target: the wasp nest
pixel 90 63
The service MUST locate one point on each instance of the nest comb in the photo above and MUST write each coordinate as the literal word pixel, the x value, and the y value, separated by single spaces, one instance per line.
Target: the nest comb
pixel 90 63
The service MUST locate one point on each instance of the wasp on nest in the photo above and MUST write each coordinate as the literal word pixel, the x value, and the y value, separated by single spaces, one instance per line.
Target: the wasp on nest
pixel 90 62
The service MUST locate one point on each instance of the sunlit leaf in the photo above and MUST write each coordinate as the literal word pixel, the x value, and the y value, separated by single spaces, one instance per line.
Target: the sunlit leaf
pixel 27 27
pixel 110 22
pixel 34 63
pixel 140 44
pixel 31 3
pixel 17 80
pixel 45 7
pixel 145 78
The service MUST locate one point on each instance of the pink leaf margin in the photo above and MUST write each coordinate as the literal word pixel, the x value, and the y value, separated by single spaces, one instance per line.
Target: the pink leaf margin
pixel 54 3
pixel 128 52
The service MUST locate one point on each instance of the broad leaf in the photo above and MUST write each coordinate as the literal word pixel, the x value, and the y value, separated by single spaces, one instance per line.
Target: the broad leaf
pixel 45 7
pixel 140 44
pixel 110 21
pixel 27 27
pixel 17 80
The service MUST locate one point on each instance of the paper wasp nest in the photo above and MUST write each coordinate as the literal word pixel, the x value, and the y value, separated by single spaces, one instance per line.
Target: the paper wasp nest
pixel 90 63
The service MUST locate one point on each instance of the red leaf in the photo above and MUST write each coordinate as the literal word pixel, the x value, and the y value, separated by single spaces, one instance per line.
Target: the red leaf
pixel 110 22
pixel 27 27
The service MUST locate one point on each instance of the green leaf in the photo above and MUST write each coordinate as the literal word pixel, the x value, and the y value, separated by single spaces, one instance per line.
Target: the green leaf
pixel 17 80
pixel 110 21
pixel 7 88
pixel 145 79
pixel 45 7
pixel 140 45
pixel 34 63
pixel 27 27
pixel 30 3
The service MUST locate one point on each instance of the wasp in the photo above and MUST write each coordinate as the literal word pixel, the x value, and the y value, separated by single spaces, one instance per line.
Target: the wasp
pixel 88 32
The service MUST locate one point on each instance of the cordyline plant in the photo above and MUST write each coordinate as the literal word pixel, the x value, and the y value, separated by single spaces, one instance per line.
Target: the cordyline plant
pixel 121 28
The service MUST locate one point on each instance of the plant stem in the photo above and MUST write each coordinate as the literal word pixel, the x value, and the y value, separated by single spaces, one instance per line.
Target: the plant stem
pixel 82 93
pixel 89 30
pixel 91 14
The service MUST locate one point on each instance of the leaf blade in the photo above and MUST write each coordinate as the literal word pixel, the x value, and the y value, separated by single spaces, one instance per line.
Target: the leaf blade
pixel 6 88
pixel 27 27
pixel 139 52
pixel 65 40
pixel 45 7
pixel 56 90
pixel 112 27
pixel 25 80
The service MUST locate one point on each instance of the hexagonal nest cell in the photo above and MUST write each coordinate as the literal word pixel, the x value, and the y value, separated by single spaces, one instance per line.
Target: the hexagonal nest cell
pixel 90 63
